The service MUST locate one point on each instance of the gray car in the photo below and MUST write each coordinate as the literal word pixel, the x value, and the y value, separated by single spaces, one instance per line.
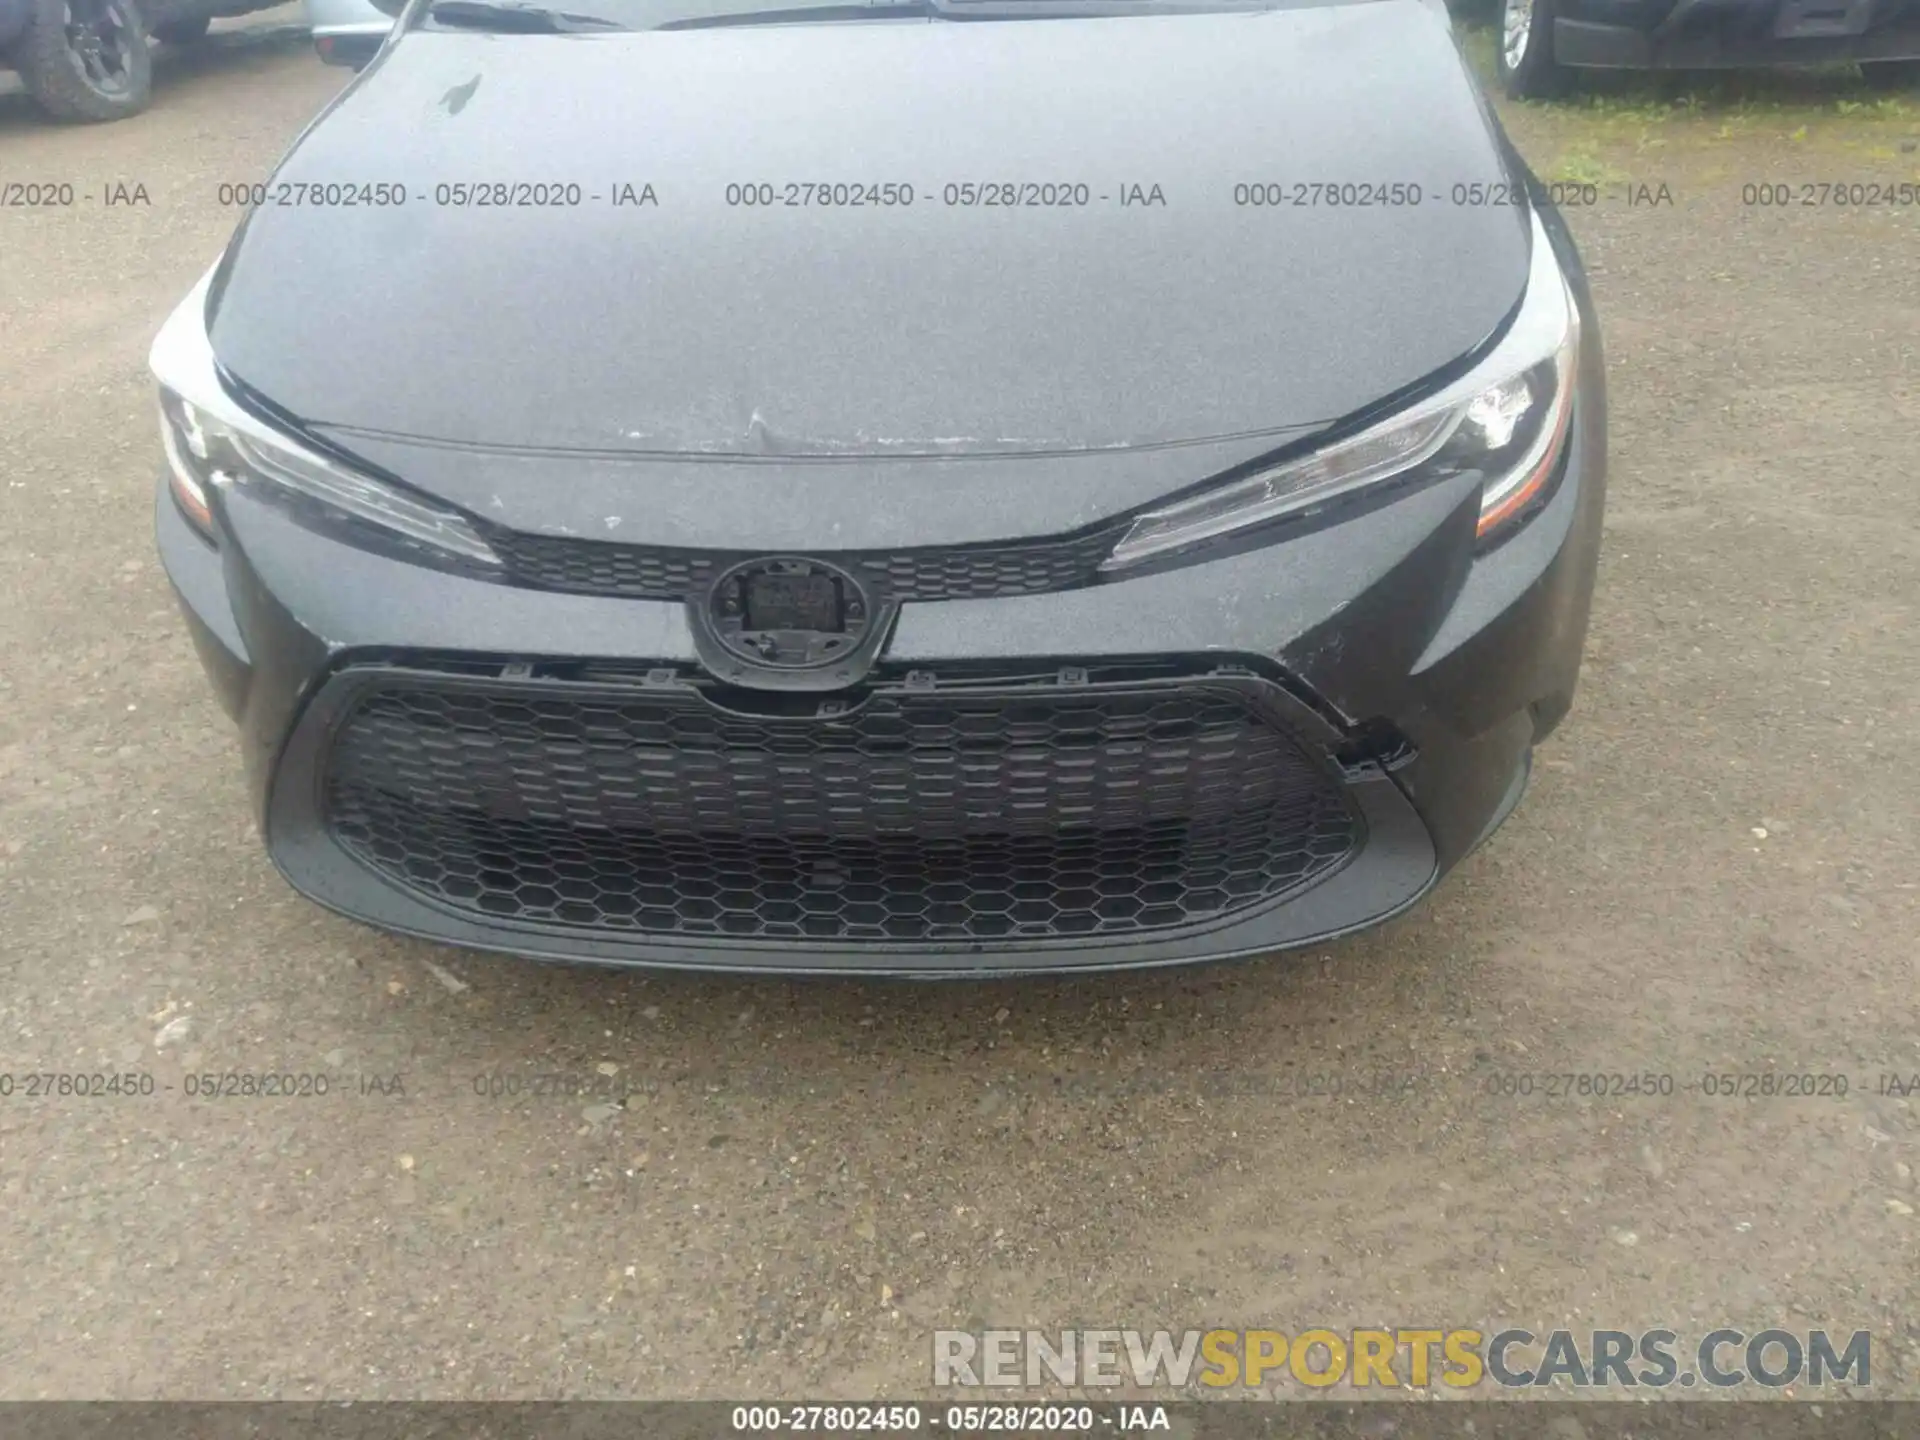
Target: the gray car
pixel 950 488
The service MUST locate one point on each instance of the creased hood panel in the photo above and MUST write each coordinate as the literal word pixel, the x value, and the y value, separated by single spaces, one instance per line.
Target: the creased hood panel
pixel 694 328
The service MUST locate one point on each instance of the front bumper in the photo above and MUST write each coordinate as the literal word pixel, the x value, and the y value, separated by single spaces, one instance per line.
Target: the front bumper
pixel 1412 675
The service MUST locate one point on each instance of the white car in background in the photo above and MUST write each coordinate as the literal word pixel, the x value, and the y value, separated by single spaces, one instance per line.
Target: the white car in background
pixel 347 32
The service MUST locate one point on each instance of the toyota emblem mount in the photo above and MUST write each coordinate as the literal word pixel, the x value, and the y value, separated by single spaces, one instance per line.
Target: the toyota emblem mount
pixel 789 613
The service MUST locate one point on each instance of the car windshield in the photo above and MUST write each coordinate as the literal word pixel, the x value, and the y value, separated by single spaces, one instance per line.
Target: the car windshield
pixel 579 16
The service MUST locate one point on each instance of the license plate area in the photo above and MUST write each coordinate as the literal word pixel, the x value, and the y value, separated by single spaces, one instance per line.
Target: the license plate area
pixel 795 602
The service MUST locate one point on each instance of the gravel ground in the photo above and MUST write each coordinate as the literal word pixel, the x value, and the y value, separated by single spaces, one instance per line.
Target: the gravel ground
pixel 1715 872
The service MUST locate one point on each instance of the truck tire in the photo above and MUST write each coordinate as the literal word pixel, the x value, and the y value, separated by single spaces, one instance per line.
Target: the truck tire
pixel 86 60
pixel 1528 70
pixel 1891 74
pixel 183 31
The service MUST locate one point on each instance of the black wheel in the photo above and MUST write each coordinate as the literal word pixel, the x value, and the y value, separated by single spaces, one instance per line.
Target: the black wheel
pixel 1527 68
pixel 183 31
pixel 1891 74
pixel 86 59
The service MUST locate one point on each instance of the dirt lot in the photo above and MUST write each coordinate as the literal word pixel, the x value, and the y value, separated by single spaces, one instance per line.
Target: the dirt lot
pixel 1716 872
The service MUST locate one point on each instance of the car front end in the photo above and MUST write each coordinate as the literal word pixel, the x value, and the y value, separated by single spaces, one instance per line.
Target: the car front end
pixel 929 589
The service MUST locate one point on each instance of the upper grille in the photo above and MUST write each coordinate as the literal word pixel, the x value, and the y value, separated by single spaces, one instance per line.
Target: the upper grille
pixel 1000 813
pixel 964 572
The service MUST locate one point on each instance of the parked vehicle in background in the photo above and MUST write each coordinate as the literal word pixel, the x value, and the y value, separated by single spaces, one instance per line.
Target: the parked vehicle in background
pixel 347 32
pixel 89 59
pixel 1543 41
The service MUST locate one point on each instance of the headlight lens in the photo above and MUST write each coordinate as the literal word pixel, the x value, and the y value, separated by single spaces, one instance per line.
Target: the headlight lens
pixel 212 443
pixel 1506 421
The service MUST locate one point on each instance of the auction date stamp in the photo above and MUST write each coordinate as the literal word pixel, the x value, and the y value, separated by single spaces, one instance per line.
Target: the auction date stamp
pixel 51 194
pixel 1659 1084
pixel 446 195
pixel 1299 194
pixel 993 1418
pixel 1830 194
pixel 197 1085
pixel 981 194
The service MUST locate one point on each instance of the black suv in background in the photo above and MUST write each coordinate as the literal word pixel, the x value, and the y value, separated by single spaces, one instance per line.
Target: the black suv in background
pixel 88 59
pixel 1542 41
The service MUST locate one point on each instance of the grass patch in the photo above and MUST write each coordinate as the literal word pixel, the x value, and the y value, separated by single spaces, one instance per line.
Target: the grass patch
pixel 1482 46
pixel 1578 165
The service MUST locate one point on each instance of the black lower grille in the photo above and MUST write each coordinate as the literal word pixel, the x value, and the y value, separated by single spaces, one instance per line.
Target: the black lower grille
pixel 986 813
pixel 958 572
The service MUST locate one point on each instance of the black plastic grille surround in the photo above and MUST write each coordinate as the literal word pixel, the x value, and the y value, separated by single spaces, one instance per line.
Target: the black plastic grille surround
pixel 963 572
pixel 1016 812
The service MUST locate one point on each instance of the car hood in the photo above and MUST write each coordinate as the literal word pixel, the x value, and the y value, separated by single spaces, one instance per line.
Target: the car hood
pixel 545 361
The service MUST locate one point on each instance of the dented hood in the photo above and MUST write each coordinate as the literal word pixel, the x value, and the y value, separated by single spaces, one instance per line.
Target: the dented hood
pixel 659 317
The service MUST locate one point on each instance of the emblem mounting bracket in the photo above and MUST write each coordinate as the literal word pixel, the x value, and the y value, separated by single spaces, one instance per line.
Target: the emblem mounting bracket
pixel 788 622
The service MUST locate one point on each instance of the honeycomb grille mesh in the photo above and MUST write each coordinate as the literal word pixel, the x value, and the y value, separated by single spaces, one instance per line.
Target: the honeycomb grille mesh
pixel 644 572
pixel 913 817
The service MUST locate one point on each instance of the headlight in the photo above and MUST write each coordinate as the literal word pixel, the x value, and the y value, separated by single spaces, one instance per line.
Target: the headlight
pixel 1506 421
pixel 212 443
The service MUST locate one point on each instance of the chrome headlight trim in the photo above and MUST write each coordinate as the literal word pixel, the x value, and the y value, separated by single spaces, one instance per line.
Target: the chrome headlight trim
pixel 212 442
pixel 1507 418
